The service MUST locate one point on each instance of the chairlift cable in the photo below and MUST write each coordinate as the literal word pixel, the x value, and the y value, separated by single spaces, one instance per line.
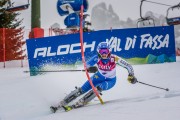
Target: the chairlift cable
pixel 158 3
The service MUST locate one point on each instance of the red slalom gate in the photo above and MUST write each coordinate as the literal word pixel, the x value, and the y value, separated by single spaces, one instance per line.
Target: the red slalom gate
pixel 83 58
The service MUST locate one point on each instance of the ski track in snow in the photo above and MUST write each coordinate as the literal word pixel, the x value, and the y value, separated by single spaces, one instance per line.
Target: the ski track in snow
pixel 29 98
pixel 145 98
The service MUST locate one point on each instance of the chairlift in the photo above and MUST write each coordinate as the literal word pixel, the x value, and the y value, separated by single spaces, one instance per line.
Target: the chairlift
pixel 173 20
pixel 144 19
pixel 11 8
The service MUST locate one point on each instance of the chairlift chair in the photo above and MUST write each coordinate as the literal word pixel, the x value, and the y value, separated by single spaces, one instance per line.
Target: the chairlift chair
pixel 143 19
pixel 11 8
pixel 173 20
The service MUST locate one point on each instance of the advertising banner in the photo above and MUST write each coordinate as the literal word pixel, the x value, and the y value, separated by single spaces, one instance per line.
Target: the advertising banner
pixel 136 45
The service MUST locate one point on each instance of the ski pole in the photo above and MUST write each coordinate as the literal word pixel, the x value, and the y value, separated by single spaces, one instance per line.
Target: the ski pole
pixel 55 71
pixel 153 86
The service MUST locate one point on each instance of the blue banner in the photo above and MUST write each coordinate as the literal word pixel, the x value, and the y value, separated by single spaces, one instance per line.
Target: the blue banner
pixel 136 45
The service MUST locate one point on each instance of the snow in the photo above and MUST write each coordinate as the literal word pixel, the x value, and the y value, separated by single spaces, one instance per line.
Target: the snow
pixel 28 98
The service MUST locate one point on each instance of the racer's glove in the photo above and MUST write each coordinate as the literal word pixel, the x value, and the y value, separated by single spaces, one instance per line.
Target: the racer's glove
pixel 132 79
pixel 92 69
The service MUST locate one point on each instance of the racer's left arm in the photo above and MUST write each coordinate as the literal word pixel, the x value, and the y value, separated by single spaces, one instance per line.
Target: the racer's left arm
pixel 131 78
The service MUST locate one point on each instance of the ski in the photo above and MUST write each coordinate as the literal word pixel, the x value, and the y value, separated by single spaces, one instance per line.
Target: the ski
pixel 71 107
pixel 68 108
pixel 73 95
pixel 65 108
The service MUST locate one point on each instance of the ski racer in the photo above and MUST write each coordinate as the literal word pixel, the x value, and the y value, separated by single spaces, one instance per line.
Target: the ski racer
pixel 104 77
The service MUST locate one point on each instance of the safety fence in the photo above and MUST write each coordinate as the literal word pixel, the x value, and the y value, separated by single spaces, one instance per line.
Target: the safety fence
pixel 12 47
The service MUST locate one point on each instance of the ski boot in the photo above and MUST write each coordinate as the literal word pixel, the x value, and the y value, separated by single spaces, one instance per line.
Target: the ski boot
pixel 84 100
pixel 67 108
pixel 70 97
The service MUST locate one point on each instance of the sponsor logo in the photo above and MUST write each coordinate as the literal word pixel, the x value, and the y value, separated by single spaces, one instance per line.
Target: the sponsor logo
pixel 104 67
pixel 62 50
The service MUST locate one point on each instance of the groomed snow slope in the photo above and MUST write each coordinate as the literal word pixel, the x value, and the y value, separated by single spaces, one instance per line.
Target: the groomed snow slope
pixel 28 98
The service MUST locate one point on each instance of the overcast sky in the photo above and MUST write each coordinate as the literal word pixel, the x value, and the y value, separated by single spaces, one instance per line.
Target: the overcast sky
pixel 124 8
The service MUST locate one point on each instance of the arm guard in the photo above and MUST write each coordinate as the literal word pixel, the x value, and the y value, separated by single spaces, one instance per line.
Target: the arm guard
pixel 125 64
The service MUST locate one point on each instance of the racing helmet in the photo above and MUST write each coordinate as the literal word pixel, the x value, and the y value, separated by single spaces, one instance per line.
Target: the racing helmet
pixel 104 50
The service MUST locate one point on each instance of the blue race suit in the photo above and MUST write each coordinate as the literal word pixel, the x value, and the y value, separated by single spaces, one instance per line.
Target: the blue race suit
pixel 105 77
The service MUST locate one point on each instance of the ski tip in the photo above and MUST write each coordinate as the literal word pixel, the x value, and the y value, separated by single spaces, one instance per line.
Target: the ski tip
pixel 53 109
pixel 167 89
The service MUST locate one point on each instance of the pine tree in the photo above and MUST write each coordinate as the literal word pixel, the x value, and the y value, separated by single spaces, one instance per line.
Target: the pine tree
pixel 13 33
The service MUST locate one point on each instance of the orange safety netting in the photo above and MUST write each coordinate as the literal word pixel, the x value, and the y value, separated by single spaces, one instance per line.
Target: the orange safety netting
pixel 11 42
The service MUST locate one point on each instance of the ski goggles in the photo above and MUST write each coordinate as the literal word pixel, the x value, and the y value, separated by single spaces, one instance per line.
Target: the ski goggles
pixel 104 51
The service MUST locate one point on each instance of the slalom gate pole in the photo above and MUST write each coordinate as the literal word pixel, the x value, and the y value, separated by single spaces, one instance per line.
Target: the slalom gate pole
pixel 83 58
pixel 55 71
pixel 153 86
